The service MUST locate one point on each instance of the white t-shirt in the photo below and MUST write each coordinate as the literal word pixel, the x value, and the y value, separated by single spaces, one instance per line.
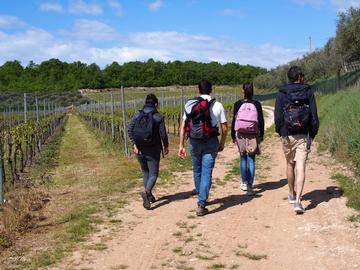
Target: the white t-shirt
pixel 217 112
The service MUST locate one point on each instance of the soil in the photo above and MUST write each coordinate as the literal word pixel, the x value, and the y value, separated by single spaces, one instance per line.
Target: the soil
pixel 245 232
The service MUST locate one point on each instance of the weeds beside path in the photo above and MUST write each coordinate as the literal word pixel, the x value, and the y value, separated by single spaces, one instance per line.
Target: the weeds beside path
pixel 87 187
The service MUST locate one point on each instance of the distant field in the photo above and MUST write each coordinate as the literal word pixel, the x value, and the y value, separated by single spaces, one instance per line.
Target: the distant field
pixel 135 93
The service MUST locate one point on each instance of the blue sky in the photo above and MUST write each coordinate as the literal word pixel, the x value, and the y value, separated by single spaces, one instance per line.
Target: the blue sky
pixel 262 33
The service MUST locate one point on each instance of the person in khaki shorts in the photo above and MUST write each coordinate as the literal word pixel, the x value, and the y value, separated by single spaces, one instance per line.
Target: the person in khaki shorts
pixel 297 122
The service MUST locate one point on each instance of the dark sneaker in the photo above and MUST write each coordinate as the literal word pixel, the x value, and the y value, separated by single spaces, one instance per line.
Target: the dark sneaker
pixel 298 208
pixel 202 211
pixel 249 191
pixel 152 198
pixel 146 201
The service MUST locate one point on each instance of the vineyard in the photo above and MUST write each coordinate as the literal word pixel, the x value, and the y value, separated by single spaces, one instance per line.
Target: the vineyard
pixel 23 136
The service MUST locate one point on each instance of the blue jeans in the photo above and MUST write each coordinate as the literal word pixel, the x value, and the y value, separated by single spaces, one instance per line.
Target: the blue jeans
pixel 203 154
pixel 247 168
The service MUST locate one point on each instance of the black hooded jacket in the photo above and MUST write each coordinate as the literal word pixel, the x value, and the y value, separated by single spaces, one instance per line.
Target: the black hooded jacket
pixel 160 136
pixel 282 100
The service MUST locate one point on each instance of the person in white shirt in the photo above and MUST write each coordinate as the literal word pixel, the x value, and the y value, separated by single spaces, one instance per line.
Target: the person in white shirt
pixel 202 129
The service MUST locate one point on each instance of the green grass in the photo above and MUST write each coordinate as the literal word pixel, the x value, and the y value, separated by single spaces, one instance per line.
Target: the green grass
pixel 351 190
pixel 217 266
pixel 340 128
pixel 205 257
pixel 251 256
pixel 178 250
pixel 97 176
pixel 48 159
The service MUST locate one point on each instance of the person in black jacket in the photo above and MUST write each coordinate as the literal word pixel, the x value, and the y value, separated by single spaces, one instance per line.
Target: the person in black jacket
pixel 248 143
pixel 297 122
pixel 149 155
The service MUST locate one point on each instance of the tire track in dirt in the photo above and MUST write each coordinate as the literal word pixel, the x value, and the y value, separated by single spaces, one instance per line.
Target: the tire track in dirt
pixel 259 232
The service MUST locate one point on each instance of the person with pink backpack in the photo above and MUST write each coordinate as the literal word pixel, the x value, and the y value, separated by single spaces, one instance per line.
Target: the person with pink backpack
pixel 247 131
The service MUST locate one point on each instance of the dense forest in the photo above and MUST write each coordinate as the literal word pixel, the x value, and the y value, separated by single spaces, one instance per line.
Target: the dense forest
pixel 327 61
pixel 55 75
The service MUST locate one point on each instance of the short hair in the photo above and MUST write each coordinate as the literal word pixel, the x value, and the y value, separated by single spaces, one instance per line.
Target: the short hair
pixel 248 90
pixel 294 73
pixel 151 98
pixel 205 87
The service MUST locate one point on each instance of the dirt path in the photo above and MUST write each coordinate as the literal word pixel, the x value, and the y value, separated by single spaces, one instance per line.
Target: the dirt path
pixel 260 232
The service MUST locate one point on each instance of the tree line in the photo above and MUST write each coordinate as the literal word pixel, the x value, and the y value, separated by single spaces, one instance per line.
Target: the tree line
pixel 56 75
pixel 327 61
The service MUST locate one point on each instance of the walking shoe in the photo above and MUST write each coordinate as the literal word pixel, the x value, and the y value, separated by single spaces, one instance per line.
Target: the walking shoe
pixel 243 186
pixel 152 198
pixel 146 201
pixel 249 191
pixel 292 198
pixel 298 208
pixel 202 211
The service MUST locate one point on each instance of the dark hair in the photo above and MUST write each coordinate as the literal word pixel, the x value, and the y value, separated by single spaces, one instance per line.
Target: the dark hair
pixel 205 87
pixel 294 73
pixel 151 98
pixel 248 90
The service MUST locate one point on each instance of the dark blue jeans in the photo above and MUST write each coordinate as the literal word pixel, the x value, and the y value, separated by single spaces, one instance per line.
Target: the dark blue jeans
pixel 203 154
pixel 150 168
pixel 247 168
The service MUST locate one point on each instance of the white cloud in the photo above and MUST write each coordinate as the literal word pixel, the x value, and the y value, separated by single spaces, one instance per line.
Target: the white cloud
pixel 7 21
pixel 343 5
pixel 117 6
pixel 52 7
pixel 91 30
pixel 155 6
pixel 81 7
pixel 39 45
pixel 232 12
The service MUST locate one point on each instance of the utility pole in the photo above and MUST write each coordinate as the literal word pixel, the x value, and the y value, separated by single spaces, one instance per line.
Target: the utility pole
pixel 310 44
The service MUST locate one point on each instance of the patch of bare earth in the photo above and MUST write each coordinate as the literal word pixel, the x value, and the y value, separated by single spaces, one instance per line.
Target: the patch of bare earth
pixel 245 232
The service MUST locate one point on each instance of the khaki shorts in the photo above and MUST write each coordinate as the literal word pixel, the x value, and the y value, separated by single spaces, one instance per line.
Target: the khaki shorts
pixel 294 147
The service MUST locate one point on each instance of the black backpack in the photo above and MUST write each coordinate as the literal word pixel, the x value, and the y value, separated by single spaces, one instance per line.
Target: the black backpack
pixel 144 129
pixel 297 112
pixel 198 123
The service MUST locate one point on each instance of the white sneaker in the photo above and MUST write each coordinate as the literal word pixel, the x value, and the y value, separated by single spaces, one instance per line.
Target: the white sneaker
pixel 298 208
pixel 243 186
pixel 292 199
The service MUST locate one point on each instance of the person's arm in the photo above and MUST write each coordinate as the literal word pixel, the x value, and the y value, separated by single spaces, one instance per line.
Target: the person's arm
pixel 223 126
pixel 236 108
pixel 314 117
pixel 278 113
pixel 224 130
pixel 131 133
pixel 182 150
pixel 163 135
pixel 260 120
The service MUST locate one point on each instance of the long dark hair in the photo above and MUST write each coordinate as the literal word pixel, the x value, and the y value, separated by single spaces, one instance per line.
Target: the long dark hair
pixel 248 90
pixel 151 99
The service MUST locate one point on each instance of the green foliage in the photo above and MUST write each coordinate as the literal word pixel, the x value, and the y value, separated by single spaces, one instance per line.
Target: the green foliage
pixel 324 62
pixel 348 34
pixel 351 190
pixel 340 130
pixel 61 76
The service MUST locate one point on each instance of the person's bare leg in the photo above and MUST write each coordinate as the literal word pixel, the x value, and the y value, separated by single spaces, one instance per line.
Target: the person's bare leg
pixel 291 177
pixel 300 179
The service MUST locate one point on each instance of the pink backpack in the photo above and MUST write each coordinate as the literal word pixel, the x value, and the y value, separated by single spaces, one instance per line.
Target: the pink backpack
pixel 246 121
